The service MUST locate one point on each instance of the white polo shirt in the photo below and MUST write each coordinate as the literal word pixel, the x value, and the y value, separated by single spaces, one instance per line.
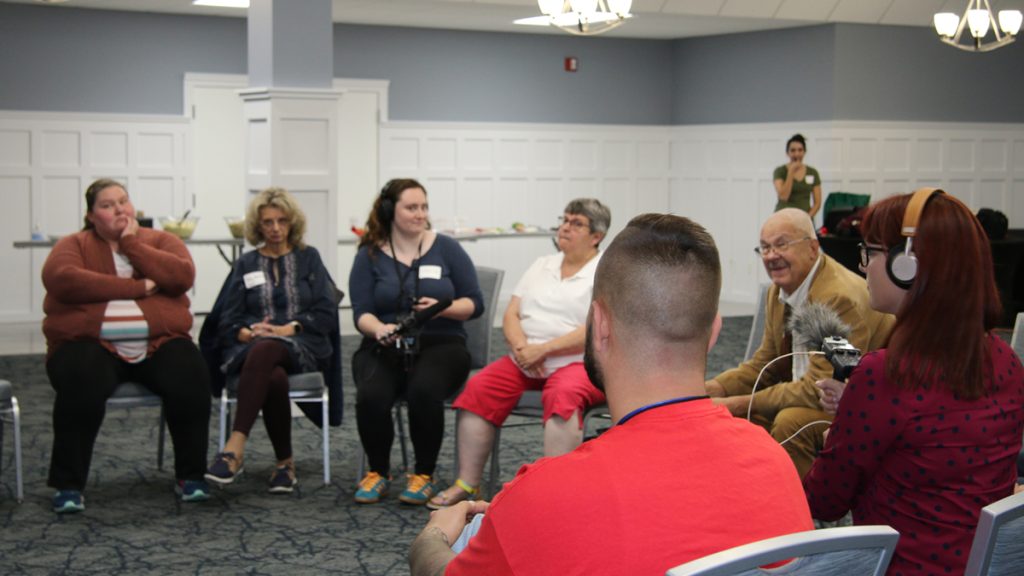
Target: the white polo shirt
pixel 551 307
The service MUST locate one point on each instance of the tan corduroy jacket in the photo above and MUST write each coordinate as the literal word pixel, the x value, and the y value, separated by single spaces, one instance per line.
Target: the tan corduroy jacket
pixel 840 289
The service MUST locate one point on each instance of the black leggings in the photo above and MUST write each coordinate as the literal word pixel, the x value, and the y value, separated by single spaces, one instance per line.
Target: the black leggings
pixel 84 374
pixel 263 385
pixel 439 369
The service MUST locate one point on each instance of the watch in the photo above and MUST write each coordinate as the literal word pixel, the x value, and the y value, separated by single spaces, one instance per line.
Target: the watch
pixel 296 325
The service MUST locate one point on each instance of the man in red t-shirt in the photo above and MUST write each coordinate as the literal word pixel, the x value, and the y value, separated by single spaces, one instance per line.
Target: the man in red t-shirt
pixel 676 478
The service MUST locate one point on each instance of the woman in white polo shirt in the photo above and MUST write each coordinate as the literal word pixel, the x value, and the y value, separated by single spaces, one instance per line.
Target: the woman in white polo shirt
pixel 545 326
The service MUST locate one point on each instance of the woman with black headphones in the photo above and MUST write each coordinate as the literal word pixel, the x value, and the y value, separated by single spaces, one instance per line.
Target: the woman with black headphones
pixel 402 267
pixel 927 430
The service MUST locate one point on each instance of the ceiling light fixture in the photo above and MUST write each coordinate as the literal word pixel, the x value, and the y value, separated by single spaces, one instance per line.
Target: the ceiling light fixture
pixel 978 19
pixel 581 17
pixel 222 3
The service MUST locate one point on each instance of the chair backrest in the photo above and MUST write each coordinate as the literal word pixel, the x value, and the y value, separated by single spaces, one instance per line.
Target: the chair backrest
pixel 998 547
pixel 479 329
pixel 1017 342
pixel 757 327
pixel 860 550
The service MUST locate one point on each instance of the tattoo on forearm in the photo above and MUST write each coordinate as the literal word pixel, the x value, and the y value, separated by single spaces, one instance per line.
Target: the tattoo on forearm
pixel 442 535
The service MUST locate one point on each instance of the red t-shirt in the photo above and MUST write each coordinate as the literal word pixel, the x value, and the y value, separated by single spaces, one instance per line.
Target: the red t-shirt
pixel 921 461
pixel 670 485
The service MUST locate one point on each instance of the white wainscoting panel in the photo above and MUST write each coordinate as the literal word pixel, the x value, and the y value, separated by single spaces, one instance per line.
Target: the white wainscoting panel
pixel 490 175
pixel 46 162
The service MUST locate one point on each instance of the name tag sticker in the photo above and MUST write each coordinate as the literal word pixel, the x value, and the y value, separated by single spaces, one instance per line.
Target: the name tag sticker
pixel 254 279
pixel 809 179
pixel 430 272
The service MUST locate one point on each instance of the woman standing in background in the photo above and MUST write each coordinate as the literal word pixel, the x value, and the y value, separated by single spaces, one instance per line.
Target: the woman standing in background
pixel 796 182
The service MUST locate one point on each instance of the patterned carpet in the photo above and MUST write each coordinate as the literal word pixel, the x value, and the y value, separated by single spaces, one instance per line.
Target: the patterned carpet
pixel 135 525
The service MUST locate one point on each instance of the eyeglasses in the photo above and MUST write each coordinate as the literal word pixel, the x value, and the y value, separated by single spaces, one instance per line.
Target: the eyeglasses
pixel 575 223
pixel 865 252
pixel 779 247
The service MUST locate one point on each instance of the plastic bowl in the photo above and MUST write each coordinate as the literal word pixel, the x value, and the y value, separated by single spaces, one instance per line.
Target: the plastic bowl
pixel 236 226
pixel 181 228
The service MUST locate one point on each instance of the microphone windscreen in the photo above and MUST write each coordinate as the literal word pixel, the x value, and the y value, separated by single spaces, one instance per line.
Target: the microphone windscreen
pixel 811 323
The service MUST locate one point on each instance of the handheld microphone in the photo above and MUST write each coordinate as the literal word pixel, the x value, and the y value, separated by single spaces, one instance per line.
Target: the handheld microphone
pixel 414 320
pixel 818 327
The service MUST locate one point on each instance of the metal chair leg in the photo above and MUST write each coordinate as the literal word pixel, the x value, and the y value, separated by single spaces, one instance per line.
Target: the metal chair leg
pixel 223 418
pixel 495 463
pixel 16 411
pixel 163 436
pixel 401 436
pixel 327 438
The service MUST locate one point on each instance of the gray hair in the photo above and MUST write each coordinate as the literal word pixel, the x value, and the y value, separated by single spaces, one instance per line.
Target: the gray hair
pixel 599 215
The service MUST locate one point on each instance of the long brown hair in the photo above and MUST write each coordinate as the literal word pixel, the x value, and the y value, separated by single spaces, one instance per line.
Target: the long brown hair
pixel 382 215
pixel 941 327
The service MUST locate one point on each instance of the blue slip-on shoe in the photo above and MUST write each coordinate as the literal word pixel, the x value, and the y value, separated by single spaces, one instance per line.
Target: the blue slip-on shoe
pixel 220 471
pixel 283 481
pixel 192 490
pixel 372 488
pixel 68 502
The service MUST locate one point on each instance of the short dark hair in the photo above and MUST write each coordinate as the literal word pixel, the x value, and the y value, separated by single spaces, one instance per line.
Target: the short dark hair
pixel 796 138
pixel 662 274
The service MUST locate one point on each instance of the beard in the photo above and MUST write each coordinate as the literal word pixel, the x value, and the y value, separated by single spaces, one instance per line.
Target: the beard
pixel 590 363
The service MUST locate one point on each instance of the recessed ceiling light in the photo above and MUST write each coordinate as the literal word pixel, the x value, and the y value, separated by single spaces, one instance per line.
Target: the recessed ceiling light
pixel 51 1
pixel 221 3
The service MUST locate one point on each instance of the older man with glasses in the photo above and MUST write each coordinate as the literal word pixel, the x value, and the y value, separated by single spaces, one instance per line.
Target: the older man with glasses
pixel 786 399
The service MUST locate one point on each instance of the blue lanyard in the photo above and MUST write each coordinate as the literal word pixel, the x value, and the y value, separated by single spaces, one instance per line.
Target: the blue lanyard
pixel 627 417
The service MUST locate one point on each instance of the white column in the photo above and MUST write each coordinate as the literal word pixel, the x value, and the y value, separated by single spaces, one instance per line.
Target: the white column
pixel 291 113
pixel 291 139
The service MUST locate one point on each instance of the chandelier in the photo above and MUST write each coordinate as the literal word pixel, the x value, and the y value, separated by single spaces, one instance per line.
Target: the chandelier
pixel 581 17
pixel 978 19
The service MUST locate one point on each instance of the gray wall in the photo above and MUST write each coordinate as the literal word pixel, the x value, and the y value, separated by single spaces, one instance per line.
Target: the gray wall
pixel 844 72
pixel 903 73
pixel 776 76
pixel 65 59
pixel 474 76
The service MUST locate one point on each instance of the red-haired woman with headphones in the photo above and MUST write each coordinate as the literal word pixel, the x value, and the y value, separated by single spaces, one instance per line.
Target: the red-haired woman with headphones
pixel 403 267
pixel 928 429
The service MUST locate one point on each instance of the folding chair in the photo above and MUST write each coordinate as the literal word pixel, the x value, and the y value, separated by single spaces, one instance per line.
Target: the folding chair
pixel 9 405
pixel 998 547
pixel 860 550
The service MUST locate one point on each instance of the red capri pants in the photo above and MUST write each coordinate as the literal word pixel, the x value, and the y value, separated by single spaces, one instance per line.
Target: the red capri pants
pixel 495 391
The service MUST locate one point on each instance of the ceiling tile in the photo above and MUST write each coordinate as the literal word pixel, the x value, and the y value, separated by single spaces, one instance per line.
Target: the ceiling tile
pixel 750 8
pixel 863 11
pixel 912 12
pixel 817 10
pixel 701 7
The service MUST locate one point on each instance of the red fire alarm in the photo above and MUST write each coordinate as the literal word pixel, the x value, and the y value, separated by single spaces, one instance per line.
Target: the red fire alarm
pixel 571 63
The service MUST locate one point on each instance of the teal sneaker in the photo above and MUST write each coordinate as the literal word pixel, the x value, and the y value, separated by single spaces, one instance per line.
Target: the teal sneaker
pixel 192 490
pixel 372 488
pixel 419 489
pixel 68 502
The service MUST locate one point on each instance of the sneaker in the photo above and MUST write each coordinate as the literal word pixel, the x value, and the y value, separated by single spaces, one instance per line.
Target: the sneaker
pixel 283 481
pixel 220 471
pixel 372 488
pixel 68 501
pixel 192 490
pixel 419 490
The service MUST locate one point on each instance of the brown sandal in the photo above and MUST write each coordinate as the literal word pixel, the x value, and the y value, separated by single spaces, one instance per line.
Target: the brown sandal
pixel 452 495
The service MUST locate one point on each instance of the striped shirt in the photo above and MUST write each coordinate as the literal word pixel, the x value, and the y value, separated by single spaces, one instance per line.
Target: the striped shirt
pixel 124 326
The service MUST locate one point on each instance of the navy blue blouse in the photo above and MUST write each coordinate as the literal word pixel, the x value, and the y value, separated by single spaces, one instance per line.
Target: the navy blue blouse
pixel 444 271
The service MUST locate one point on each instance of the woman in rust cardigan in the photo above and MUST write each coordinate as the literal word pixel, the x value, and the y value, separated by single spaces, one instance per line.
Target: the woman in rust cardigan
pixel 116 311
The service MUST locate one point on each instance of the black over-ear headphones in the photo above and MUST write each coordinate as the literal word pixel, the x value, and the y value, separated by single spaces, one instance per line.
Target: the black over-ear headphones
pixel 901 265
pixel 386 207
